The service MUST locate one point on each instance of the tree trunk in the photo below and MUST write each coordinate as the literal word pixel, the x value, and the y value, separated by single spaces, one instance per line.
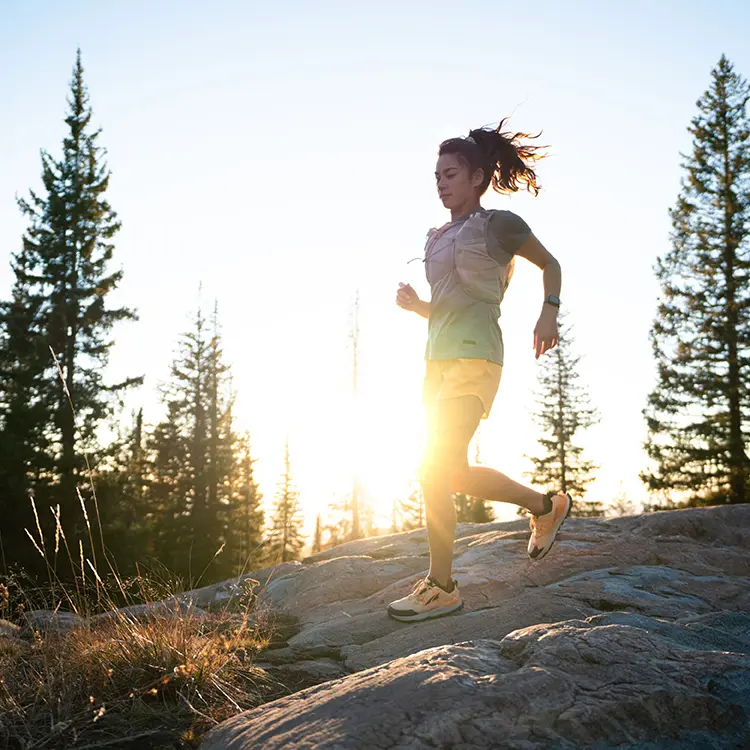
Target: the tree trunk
pixel 737 457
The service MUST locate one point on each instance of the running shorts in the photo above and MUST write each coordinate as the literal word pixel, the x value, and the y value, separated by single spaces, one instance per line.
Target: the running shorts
pixel 448 378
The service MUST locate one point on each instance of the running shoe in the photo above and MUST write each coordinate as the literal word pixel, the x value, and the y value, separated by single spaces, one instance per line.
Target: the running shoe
pixel 544 528
pixel 426 600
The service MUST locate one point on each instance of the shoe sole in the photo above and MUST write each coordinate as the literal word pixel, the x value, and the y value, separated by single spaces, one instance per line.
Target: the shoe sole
pixel 431 615
pixel 559 526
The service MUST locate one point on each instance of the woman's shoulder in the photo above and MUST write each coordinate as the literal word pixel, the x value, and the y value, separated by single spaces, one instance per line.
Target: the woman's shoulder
pixel 503 216
pixel 506 231
pixel 502 222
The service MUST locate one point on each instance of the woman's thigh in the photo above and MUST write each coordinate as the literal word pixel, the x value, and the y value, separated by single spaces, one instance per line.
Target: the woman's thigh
pixel 451 424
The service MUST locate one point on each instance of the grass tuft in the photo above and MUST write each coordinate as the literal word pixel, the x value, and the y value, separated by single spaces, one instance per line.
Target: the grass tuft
pixel 122 681
pixel 155 677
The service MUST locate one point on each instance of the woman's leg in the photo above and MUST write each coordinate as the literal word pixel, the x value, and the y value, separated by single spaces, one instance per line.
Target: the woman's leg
pixel 451 427
pixel 481 481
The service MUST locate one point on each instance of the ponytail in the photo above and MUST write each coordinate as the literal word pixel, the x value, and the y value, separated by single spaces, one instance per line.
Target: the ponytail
pixel 505 161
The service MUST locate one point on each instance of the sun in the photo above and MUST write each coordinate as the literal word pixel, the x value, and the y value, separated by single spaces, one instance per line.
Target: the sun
pixel 368 439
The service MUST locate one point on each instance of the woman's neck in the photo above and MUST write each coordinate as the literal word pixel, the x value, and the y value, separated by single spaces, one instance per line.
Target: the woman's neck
pixel 464 209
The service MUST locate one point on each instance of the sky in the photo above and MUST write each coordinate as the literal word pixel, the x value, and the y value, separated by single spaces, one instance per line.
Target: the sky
pixel 278 158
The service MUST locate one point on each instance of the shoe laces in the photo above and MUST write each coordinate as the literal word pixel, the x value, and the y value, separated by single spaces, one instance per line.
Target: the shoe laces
pixel 422 588
pixel 542 524
pixel 421 585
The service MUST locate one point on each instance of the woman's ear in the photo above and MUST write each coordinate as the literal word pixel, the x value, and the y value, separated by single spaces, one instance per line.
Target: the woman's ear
pixel 477 178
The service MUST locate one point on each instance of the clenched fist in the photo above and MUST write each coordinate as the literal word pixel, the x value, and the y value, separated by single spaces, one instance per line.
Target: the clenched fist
pixel 407 298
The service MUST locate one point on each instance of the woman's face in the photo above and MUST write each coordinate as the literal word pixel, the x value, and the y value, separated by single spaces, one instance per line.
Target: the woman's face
pixel 455 187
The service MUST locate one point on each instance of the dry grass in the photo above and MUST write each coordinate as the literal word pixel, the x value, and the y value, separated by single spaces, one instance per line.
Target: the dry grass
pixel 160 678
pixel 121 682
pixel 157 681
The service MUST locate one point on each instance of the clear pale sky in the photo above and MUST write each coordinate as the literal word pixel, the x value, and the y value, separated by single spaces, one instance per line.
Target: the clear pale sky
pixel 283 153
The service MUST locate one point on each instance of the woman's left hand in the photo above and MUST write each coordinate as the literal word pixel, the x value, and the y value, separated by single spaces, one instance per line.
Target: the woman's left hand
pixel 545 333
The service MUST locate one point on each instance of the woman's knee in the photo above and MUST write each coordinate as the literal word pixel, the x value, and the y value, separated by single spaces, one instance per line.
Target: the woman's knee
pixel 459 479
pixel 432 475
pixel 444 472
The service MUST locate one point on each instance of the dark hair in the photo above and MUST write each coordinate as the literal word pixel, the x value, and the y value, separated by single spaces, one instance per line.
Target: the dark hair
pixel 500 155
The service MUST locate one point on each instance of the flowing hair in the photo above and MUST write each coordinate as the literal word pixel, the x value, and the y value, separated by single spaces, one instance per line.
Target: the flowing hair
pixel 506 162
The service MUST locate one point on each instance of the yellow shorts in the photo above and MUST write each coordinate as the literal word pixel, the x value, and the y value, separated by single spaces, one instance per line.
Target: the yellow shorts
pixel 448 378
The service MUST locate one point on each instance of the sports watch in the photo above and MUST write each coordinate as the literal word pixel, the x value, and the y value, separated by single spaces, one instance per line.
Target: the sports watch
pixel 553 300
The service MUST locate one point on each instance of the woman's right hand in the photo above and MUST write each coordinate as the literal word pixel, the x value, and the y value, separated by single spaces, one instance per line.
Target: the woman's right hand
pixel 407 298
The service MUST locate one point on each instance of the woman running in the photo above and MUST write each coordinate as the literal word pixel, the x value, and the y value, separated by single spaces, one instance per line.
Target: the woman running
pixel 469 262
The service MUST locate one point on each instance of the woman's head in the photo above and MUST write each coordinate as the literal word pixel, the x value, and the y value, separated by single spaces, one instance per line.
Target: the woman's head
pixel 468 166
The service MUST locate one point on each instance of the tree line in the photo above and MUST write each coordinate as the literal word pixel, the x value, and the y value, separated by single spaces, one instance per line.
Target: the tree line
pixel 696 415
pixel 182 492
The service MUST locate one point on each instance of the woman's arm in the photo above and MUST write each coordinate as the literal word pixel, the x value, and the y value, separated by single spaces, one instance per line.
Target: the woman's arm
pixel 545 333
pixel 538 254
pixel 422 308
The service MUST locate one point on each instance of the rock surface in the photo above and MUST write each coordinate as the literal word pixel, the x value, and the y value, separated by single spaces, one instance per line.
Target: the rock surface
pixel 9 629
pixel 612 680
pixel 631 633
pixel 48 620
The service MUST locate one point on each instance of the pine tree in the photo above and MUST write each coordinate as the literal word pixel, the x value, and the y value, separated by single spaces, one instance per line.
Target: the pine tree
pixel 317 544
pixel 461 501
pixel 339 515
pixel 412 510
pixel 472 509
pixel 697 414
pixel 121 488
pixel 621 505
pixel 193 454
pixel 244 512
pixel 367 514
pixel 285 540
pixel 223 452
pixel 62 280
pixel 563 411
pixel 26 459
pixel 337 531
pixel 169 490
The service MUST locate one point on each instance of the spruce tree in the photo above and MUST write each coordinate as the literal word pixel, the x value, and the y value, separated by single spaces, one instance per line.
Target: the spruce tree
pixel 564 411
pixel 122 489
pixel 317 544
pixel 26 459
pixel 59 306
pixel 461 501
pixel 169 490
pixel 193 459
pixel 133 473
pixel 285 540
pixel 412 510
pixel 472 509
pixel 336 531
pixel 621 504
pixel 697 414
pixel 339 527
pixel 244 512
